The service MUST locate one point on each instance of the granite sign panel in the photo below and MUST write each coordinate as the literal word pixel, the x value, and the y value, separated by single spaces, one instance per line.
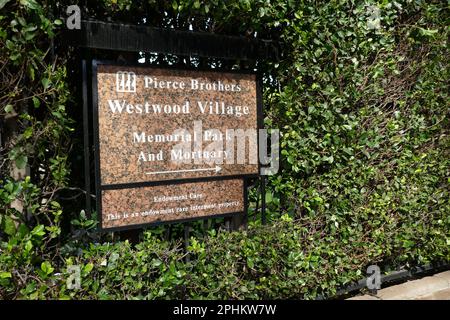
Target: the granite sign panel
pixel 152 204
pixel 164 124
pixel 160 125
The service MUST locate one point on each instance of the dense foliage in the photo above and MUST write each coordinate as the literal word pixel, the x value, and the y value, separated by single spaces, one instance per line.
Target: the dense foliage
pixel 360 94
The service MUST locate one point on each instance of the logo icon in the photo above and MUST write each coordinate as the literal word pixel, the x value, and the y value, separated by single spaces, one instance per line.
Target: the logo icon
pixel 125 81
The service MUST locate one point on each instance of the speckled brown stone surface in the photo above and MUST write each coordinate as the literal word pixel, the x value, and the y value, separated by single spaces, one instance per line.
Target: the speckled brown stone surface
pixel 127 207
pixel 119 153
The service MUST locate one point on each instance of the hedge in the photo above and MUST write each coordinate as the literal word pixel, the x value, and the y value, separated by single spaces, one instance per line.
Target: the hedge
pixel 360 94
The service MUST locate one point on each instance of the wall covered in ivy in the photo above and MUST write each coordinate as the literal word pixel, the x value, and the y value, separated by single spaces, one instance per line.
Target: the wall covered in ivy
pixel 359 93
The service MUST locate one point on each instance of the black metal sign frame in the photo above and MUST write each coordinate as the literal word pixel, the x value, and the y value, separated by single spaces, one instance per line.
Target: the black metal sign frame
pixel 136 38
pixel 93 106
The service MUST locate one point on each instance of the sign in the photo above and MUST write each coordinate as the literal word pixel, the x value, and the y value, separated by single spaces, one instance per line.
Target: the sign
pixel 186 136
pixel 186 201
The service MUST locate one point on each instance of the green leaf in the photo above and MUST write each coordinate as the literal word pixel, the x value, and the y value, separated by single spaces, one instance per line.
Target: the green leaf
pixel 10 45
pixel 3 3
pixel 4 275
pixel 47 267
pixel 9 226
pixel 22 21
pixel 22 231
pixel 28 246
pixel 38 230
pixel 36 102
pixel 32 4
pixel 269 197
pixel 9 108
pixel 427 32
pixel 88 268
pixel 329 159
pixel 28 132
pixel 250 263
pixel 15 56
pixel 30 28
pixel 45 82
pixel 21 161
pixel 31 73
pixel 29 36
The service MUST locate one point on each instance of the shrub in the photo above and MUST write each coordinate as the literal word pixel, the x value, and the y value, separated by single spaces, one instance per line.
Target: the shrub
pixel 360 95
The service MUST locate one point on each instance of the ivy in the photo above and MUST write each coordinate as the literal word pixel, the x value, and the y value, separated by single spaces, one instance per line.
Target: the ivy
pixel 360 96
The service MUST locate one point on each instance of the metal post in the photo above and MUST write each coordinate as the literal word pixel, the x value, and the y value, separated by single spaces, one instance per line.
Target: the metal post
pixel 263 199
pixel 187 228
pixel 255 216
pixel 239 221
pixel 205 226
pixel 168 232
pixel 87 171
pixel 227 224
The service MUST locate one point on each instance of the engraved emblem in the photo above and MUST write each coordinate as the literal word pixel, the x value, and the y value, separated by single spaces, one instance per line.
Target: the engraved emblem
pixel 125 81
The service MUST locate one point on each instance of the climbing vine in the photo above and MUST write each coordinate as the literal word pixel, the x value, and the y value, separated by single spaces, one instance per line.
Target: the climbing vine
pixel 360 94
